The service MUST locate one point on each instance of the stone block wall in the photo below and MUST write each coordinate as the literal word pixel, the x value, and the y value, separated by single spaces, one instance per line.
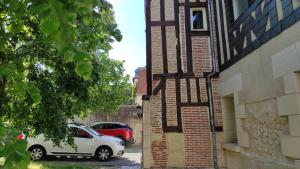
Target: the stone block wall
pixel 264 86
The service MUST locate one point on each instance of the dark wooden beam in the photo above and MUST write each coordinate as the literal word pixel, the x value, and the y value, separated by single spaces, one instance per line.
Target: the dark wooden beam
pixel 162 23
pixel 148 47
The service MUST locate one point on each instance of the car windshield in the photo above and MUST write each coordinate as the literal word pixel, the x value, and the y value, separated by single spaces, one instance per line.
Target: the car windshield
pixel 92 131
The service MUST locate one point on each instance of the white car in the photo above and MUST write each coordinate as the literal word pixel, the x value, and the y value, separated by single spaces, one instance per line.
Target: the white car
pixel 88 142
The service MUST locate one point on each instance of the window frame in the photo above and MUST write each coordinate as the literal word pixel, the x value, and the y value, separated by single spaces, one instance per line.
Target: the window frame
pixel 204 17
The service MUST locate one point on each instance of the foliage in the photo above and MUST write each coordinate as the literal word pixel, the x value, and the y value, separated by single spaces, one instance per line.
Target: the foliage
pixel 134 92
pixel 14 150
pixel 54 66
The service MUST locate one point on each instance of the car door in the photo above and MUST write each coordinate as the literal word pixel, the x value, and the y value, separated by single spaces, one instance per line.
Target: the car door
pixel 49 145
pixel 104 128
pixel 109 129
pixel 63 148
pixel 84 142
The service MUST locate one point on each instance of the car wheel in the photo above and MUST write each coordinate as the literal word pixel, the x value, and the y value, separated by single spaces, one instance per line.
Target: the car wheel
pixel 37 153
pixel 103 153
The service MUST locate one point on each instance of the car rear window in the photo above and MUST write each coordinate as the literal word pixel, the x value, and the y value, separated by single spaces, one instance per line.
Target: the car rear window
pixel 125 126
pixel 110 126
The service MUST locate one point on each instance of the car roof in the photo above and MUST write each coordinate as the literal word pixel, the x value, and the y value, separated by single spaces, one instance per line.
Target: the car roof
pixel 76 125
pixel 108 123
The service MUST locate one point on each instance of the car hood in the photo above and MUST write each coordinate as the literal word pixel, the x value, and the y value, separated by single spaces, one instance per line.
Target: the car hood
pixel 109 138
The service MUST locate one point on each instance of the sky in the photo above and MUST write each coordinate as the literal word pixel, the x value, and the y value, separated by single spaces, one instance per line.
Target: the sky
pixel 129 16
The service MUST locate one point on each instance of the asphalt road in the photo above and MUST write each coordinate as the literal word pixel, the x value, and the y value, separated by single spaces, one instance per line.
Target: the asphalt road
pixel 130 160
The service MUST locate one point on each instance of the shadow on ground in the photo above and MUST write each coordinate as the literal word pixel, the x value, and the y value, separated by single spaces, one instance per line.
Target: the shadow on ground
pixel 130 160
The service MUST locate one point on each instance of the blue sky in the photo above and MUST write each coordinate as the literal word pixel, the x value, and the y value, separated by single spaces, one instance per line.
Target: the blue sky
pixel 129 16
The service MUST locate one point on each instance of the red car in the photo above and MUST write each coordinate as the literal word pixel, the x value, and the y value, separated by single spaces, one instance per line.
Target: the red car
pixel 120 130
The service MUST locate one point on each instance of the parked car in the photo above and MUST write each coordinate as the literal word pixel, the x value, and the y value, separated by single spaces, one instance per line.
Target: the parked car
pixel 88 142
pixel 120 130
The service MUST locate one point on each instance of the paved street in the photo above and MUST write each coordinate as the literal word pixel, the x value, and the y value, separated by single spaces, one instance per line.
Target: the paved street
pixel 130 160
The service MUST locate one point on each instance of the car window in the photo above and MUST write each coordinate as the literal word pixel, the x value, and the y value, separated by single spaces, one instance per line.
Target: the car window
pixel 118 126
pixel 73 131
pixel 111 126
pixel 83 134
pixel 126 126
pixel 97 127
pixel 92 131
pixel 80 133
pixel 108 126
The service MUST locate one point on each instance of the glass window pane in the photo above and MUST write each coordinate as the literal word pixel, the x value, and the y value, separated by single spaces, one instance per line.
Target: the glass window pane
pixel 197 20
pixel 108 126
pixel 118 126
pixel 98 126
pixel 73 131
pixel 83 134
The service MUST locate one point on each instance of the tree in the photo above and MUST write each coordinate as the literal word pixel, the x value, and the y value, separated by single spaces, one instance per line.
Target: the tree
pixel 54 66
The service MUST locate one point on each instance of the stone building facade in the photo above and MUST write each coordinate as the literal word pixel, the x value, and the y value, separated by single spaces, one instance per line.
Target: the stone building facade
pixel 178 127
pixel 223 90
pixel 260 82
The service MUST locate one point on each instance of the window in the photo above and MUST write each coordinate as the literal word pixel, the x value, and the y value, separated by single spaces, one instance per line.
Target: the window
pixel 118 126
pixel 237 7
pixel 110 126
pixel 77 132
pixel 98 127
pixel 198 19
pixel 229 119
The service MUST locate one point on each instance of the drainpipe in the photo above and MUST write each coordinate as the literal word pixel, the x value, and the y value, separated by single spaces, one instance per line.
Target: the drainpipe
pixel 215 70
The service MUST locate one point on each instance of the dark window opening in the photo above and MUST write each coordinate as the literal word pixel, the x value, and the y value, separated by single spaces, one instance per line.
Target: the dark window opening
pixel 197 20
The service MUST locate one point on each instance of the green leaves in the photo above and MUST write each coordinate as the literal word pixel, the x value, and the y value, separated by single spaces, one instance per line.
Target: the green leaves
pixel 50 25
pixel 19 89
pixel 87 19
pixel 14 151
pixel 48 57
pixel 8 69
pixel 2 131
pixel 16 157
pixel 34 93
pixel 69 56
pixel 84 69
pixel 117 34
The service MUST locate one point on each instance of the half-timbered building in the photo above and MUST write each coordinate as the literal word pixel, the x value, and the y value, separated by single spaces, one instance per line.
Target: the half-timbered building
pixel 223 84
